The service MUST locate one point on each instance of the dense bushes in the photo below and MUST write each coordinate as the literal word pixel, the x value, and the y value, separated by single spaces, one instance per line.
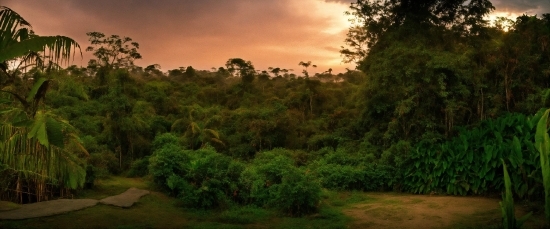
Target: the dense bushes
pixel 273 180
pixel 206 179
pixel 470 162
pixel 344 171
pixel 167 161
pixel 280 179
pixel 139 168
pixel 201 178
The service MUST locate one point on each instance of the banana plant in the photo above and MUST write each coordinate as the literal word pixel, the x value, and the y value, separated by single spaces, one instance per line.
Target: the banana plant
pixel 542 142
pixel 509 220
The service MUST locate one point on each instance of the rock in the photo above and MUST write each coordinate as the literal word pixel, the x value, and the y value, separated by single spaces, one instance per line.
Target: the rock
pixel 125 199
pixel 47 208
pixel 10 210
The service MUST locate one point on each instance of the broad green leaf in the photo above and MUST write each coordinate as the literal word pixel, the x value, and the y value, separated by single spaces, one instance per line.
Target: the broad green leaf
pixel 38 129
pixel 55 135
pixel 542 141
pixel 32 93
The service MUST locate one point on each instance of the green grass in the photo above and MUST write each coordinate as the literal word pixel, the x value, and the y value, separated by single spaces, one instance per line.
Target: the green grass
pixel 6 205
pixel 244 215
pixel 391 202
pixel 157 210
pixel 113 186
pixel 487 218
pixel 416 201
pixel 345 198
pixel 327 217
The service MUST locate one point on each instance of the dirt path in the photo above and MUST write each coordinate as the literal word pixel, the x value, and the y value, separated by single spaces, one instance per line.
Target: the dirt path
pixel 55 207
pixel 420 211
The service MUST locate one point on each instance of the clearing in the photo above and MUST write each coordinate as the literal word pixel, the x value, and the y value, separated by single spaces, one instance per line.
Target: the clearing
pixel 424 211
pixel 338 210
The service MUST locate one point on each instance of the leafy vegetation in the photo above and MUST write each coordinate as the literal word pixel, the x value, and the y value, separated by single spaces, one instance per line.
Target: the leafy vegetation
pixel 466 164
pixel 543 146
pixel 37 148
pixel 439 98
pixel 507 204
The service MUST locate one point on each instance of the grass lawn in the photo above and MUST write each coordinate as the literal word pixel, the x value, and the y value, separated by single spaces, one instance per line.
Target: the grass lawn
pixel 337 210
pixel 157 210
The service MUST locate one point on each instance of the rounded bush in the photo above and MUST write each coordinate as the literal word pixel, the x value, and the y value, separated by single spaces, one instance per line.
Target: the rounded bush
pixel 167 161
pixel 273 181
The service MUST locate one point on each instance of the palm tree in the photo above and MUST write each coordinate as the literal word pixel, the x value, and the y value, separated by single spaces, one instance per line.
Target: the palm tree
pixel 17 40
pixel 196 133
pixel 32 141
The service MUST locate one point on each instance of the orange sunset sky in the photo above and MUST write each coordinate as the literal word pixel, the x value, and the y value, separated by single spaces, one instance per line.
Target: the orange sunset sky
pixel 205 33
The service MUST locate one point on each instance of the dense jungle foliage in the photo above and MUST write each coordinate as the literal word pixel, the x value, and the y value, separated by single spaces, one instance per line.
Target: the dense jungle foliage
pixel 439 97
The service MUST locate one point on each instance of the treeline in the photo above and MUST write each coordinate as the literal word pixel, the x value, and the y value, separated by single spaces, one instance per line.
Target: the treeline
pixel 119 112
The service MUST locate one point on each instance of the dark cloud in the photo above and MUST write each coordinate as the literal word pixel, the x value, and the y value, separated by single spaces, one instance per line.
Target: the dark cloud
pixel 529 7
pixel 514 6
pixel 348 2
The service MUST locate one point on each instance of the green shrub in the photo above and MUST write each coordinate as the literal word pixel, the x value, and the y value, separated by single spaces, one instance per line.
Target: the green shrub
pixel 272 180
pixel 344 171
pixel 469 163
pixel 200 179
pixel 369 177
pixel 211 180
pixel 397 154
pixel 296 195
pixel 139 168
pixel 164 139
pixel 103 164
pixel 167 161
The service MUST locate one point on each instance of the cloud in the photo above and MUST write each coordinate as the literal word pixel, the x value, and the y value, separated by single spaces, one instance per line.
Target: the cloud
pixel 529 7
pixel 203 33
pixel 347 2
pixel 206 33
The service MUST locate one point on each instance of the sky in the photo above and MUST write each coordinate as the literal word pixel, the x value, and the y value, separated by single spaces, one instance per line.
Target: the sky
pixel 206 33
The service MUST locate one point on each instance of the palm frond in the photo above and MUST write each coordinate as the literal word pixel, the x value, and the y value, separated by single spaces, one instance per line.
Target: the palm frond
pixel 59 48
pixel 17 40
pixel 195 128
pixel 12 27
pixel 29 158
pixel 212 133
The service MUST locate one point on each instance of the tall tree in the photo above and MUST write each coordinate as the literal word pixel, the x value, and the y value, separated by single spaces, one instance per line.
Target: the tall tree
pixel 241 68
pixel 373 19
pixel 306 65
pixel 112 51
pixel 245 70
pixel 415 56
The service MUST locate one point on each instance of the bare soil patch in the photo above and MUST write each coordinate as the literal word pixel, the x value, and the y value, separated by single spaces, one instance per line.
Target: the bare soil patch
pixel 423 211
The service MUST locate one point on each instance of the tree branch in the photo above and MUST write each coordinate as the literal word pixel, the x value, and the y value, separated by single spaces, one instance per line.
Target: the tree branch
pixel 18 97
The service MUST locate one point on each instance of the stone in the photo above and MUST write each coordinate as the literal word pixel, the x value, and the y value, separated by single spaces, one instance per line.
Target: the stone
pixel 47 208
pixel 125 199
